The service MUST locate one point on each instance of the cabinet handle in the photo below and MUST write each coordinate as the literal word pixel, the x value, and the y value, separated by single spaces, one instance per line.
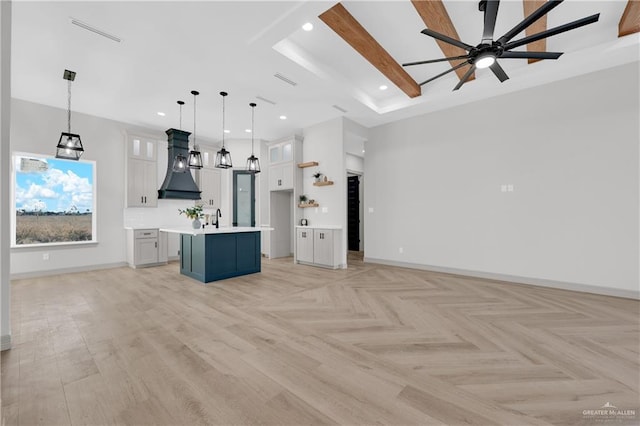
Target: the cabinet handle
pixel 141 199
pixel 304 235
pixel 156 244
pixel 145 199
pixel 279 182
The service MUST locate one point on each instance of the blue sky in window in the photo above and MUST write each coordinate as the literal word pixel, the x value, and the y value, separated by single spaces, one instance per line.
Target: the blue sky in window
pixel 53 185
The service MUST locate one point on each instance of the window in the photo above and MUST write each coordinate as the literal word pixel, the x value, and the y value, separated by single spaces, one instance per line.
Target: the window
pixel 54 201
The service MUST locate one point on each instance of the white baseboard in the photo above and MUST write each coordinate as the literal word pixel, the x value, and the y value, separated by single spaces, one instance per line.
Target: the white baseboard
pixel 562 285
pixel 50 272
pixel 5 342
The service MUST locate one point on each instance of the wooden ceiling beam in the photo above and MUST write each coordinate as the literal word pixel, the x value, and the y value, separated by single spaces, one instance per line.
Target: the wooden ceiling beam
pixel 346 26
pixel 530 6
pixel 435 17
pixel 630 20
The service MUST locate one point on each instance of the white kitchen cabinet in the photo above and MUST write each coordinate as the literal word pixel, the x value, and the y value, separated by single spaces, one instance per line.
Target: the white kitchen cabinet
pixel 146 247
pixel 142 148
pixel 281 152
pixel 281 177
pixel 208 157
pixel 142 176
pixel 208 181
pixel 142 187
pixel 304 245
pixel 318 246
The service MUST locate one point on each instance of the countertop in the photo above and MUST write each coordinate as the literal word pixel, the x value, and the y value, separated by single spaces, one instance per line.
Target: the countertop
pixel 320 227
pixel 213 230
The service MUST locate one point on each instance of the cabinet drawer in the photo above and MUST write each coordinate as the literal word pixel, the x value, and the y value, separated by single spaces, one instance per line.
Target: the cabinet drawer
pixel 145 233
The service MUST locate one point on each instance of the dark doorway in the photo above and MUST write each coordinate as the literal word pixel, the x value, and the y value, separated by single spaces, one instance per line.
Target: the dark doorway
pixel 244 198
pixel 353 212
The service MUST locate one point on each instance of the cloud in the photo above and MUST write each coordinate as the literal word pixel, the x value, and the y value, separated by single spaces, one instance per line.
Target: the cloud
pixel 69 181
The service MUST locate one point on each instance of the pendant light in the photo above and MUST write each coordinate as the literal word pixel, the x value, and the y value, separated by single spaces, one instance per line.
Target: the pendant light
pixel 253 164
pixel 223 157
pixel 195 159
pixel 180 161
pixel 69 146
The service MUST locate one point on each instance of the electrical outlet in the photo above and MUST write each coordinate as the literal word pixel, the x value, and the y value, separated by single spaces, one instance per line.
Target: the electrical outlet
pixel 370 209
pixel 510 188
pixel 325 210
pixel 503 188
pixel 45 256
pixel 400 250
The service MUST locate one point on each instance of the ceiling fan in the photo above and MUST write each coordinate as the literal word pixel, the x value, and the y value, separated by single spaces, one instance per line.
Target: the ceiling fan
pixel 485 54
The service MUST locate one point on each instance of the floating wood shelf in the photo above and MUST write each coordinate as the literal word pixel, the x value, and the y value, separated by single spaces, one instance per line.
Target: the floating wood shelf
pixel 329 182
pixel 307 164
pixel 305 205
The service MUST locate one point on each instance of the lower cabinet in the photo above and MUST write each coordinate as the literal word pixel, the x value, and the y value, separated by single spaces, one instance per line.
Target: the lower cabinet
pixel 318 246
pixel 146 247
pixel 212 257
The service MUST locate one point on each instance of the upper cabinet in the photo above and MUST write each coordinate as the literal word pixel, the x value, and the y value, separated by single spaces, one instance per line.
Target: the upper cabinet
pixel 208 158
pixel 208 181
pixel 281 152
pixel 142 148
pixel 142 177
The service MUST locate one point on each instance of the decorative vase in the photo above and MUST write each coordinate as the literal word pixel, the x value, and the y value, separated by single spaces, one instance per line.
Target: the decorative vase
pixel 196 223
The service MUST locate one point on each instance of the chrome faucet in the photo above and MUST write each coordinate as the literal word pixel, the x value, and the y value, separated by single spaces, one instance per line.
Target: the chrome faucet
pixel 218 215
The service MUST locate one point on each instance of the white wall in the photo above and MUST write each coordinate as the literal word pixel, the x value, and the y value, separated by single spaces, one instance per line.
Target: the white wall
pixel 324 143
pixel 5 177
pixel 569 148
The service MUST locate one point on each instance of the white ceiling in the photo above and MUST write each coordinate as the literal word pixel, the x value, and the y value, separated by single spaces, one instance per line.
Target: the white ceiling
pixel 171 48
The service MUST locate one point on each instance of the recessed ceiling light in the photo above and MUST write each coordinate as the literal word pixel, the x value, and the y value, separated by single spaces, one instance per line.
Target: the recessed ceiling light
pixel 308 26
pixel 247 130
pixel 283 117
pixel 227 131
pixel 161 114
pixel 383 87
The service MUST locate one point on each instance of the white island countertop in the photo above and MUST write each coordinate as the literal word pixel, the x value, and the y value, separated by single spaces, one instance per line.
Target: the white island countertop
pixel 213 230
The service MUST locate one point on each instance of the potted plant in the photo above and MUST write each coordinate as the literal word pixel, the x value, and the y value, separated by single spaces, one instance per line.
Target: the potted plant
pixel 318 176
pixel 194 213
pixel 303 199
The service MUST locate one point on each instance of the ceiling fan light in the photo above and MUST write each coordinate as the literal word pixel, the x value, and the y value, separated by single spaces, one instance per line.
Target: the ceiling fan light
pixel 485 61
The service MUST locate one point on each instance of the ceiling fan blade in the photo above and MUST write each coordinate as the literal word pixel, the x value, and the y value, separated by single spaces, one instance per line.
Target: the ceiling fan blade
pixel 542 10
pixel 431 61
pixel 490 14
pixel 446 72
pixel 446 39
pixel 553 31
pixel 530 55
pixel 499 72
pixel 465 77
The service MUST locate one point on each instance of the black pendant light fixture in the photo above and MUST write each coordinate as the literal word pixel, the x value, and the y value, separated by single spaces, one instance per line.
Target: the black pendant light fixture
pixel 195 159
pixel 180 161
pixel 223 157
pixel 69 146
pixel 253 164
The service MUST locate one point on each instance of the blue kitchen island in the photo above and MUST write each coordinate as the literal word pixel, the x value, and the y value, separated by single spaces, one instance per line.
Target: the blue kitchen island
pixel 213 254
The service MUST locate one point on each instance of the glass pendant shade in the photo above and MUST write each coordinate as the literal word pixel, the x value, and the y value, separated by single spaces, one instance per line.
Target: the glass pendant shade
pixel 223 159
pixel 195 160
pixel 180 164
pixel 253 164
pixel 69 147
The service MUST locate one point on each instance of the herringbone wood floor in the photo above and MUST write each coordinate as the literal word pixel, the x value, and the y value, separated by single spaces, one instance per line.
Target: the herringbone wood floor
pixel 300 345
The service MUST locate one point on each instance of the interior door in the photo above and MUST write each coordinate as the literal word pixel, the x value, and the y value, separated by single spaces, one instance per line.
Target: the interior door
pixel 353 212
pixel 244 198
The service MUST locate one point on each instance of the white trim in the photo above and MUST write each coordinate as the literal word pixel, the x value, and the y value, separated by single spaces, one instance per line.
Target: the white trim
pixel 50 272
pixel 584 288
pixel 5 342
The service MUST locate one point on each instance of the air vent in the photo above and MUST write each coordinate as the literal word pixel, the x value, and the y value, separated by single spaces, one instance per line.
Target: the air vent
pixel 95 30
pixel 269 101
pixel 339 108
pixel 285 79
